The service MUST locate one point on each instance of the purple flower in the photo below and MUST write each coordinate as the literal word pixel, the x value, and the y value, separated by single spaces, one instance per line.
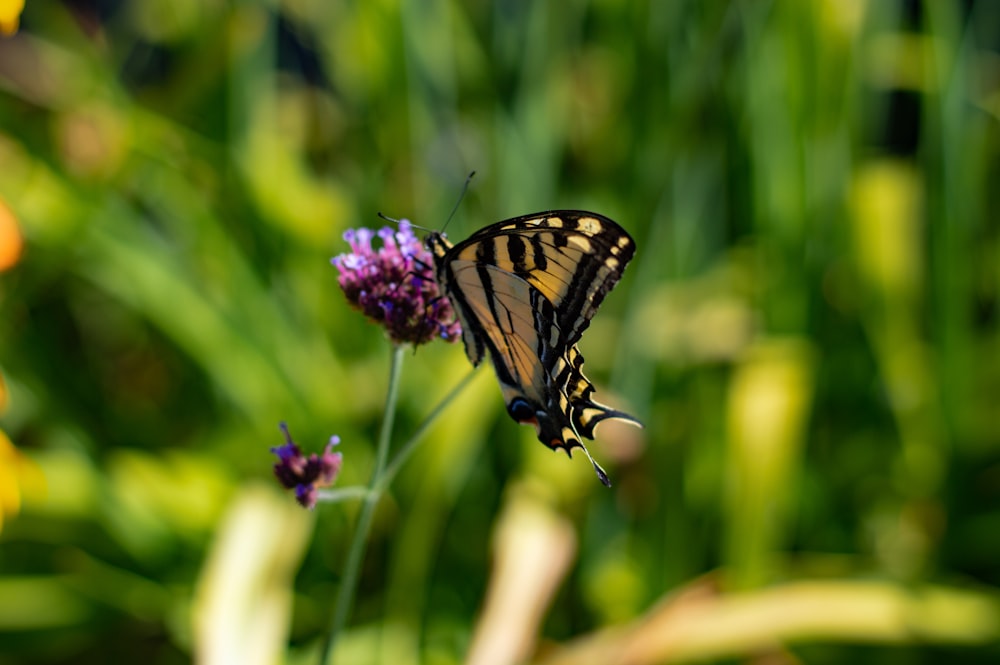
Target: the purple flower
pixel 395 286
pixel 306 474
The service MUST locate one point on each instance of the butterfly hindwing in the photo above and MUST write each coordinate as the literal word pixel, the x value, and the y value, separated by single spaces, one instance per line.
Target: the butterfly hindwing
pixel 525 289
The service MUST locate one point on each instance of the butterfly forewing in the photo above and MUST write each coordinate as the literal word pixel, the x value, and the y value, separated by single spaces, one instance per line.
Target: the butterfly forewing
pixel 573 258
pixel 525 289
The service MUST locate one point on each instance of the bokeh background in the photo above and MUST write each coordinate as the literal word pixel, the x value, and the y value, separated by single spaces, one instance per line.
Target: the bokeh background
pixel 809 330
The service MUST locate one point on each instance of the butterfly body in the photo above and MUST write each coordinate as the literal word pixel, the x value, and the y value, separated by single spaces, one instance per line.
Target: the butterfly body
pixel 525 289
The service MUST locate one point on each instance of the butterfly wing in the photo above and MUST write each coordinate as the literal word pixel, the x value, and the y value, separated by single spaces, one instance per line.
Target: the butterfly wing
pixel 573 258
pixel 525 289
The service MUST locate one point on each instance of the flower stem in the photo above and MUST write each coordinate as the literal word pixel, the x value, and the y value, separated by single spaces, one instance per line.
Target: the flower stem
pixel 349 579
pixel 405 450
pixel 411 444
pixel 343 494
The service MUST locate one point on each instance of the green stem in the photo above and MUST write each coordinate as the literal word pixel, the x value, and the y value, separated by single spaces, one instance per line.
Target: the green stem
pixel 349 579
pixel 343 494
pixel 411 444
pixel 359 492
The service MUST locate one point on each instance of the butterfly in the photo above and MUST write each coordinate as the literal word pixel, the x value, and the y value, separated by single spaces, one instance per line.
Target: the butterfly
pixel 524 290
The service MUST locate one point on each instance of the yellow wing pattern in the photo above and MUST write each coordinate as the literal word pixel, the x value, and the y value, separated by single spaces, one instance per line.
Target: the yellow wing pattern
pixel 525 289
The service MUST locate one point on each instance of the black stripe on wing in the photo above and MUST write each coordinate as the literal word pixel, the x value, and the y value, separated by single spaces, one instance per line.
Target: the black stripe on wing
pixel 525 290
pixel 573 257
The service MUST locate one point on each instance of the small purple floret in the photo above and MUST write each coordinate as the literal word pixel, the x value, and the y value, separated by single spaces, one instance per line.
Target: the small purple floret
pixel 306 474
pixel 395 285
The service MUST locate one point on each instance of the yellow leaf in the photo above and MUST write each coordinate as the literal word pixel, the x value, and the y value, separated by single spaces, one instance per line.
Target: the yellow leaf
pixel 19 476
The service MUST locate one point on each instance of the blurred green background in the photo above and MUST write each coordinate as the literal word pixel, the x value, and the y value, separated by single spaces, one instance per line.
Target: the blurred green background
pixel 809 330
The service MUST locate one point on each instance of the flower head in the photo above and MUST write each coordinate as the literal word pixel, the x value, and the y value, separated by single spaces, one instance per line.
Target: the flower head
pixel 306 474
pixel 395 286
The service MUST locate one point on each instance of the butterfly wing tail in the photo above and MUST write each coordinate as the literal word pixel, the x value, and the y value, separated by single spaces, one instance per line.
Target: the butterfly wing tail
pixel 586 417
pixel 558 436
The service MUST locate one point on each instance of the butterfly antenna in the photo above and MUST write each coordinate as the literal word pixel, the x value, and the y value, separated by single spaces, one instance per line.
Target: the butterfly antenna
pixel 461 196
pixel 597 468
pixel 396 221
